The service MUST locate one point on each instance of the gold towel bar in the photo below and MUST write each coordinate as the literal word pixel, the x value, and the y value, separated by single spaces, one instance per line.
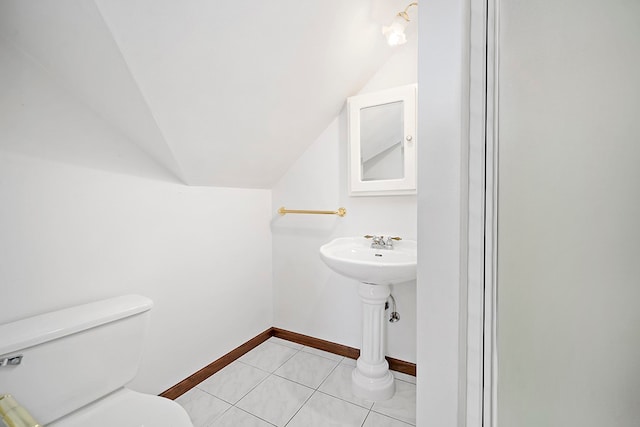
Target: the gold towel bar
pixel 339 212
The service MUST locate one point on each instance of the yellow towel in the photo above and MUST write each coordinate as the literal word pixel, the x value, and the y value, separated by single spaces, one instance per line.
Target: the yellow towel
pixel 15 415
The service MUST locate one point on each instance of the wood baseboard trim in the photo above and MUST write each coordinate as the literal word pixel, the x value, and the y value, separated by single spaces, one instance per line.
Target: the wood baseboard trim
pixel 204 373
pixel 331 347
pixel 402 366
pixel 339 349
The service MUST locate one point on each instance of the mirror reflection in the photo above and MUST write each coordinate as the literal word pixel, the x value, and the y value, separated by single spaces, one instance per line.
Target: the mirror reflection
pixel 381 136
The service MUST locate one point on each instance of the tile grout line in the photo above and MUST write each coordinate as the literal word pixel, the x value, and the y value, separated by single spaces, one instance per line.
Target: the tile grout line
pixel 270 374
pixel 321 382
pixel 320 355
pixel 300 408
pixel 263 380
pixel 339 398
pixel 316 390
pixel 365 418
pixel 335 397
pixel 254 415
pixel 250 390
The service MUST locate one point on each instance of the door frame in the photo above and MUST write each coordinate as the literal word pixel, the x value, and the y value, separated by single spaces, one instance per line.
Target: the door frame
pixel 481 314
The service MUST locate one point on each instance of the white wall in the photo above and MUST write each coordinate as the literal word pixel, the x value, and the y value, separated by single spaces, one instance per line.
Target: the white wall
pixel 442 115
pixel 569 204
pixel 308 297
pixel 86 215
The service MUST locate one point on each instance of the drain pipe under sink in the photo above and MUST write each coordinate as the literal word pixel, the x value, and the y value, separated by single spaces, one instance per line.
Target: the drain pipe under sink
pixel 394 316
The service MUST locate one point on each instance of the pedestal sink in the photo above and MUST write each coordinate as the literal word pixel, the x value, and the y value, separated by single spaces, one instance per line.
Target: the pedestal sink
pixel 376 269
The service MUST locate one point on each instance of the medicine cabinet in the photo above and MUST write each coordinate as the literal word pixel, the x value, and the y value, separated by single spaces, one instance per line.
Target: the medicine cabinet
pixel 382 142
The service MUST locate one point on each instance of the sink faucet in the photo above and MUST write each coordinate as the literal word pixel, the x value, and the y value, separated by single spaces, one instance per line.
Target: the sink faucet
pixel 379 242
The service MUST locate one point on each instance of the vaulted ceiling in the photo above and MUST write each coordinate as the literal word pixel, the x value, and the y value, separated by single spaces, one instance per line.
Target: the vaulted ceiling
pixel 220 93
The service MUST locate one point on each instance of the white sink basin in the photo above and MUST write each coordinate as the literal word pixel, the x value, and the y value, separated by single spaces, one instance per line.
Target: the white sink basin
pixel 353 257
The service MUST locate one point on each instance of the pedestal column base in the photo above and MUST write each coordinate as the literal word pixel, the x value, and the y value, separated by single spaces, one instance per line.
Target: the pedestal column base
pixel 375 389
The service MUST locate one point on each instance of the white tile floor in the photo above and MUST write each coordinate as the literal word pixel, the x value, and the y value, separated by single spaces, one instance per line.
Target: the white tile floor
pixel 285 384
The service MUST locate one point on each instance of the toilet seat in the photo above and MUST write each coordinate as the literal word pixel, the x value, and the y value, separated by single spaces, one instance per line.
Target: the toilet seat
pixel 127 408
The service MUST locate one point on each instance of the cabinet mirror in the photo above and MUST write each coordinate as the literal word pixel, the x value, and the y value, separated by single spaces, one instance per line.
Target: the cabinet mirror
pixel 382 139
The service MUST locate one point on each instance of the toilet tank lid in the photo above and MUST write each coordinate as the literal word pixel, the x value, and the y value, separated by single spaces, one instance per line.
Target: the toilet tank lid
pixel 39 329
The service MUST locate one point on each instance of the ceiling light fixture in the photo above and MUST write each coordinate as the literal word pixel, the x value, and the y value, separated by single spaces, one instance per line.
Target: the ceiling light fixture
pixel 395 32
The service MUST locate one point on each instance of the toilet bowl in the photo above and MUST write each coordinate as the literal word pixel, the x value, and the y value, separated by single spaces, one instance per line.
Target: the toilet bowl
pixel 127 408
pixel 69 368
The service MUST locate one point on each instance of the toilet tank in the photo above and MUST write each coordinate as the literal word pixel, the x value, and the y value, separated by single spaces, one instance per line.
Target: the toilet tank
pixel 74 356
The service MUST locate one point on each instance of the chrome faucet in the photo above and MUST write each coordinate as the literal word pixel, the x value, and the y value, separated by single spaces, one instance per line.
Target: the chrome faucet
pixel 379 242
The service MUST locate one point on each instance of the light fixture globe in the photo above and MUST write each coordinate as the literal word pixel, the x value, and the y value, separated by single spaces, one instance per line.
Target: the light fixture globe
pixel 395 32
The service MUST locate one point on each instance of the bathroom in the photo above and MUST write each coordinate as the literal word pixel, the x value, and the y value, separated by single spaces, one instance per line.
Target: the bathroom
pixel 88 214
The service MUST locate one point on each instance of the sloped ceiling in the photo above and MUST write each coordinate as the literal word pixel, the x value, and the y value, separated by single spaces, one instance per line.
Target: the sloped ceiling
pixel 221 93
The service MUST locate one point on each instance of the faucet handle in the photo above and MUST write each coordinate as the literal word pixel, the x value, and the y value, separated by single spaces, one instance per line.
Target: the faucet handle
pixel 369 236
pixel 389 241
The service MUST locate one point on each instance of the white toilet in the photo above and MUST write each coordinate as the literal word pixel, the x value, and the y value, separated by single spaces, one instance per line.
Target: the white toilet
pixel 75 363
